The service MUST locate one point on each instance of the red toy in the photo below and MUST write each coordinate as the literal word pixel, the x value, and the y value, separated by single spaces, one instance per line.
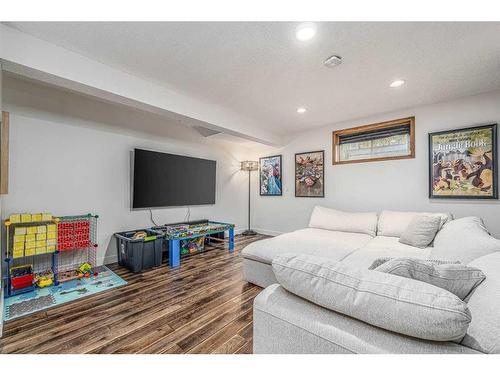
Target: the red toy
pixel 21 277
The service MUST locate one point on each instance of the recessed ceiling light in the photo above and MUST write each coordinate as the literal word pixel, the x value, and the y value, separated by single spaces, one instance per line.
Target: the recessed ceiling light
pixel 305 31
pixel 301 110
pixel 397 83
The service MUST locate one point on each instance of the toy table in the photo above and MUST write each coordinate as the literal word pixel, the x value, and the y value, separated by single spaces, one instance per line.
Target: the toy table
pixel 174 237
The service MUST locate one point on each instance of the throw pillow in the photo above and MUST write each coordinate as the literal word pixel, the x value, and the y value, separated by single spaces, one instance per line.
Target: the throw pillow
pixel 458 279
pixel 421 231
pixel 379 261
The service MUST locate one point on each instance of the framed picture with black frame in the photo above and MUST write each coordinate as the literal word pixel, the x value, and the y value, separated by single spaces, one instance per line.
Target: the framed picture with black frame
pixel 310 174
pixel 463 163
pixel 270 176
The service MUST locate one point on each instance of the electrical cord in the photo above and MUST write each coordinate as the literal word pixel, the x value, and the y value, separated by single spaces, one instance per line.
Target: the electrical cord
pixel 151 217
pixel 188 214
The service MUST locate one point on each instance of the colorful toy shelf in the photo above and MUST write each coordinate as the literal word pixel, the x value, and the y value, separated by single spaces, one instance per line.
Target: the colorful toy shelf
pixel 176 234
pixel 141 249
pixel 39 247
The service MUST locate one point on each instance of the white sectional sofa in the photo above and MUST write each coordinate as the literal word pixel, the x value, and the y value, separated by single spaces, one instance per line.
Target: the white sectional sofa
pixel 286 323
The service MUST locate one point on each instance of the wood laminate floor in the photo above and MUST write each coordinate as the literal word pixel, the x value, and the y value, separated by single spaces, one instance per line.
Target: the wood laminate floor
pixel 204 306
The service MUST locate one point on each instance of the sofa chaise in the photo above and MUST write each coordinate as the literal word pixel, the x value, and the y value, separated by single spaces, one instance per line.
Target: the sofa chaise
pixel 287 323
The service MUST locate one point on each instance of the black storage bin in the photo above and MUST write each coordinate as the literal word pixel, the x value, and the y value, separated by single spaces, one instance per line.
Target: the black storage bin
pixel 139 254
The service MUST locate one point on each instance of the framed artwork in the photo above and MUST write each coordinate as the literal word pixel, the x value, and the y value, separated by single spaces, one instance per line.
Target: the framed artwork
pixel 463 163
pixel 270 182
pixel 309 174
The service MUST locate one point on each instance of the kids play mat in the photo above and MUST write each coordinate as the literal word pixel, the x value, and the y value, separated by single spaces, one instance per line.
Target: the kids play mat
pixel 40 299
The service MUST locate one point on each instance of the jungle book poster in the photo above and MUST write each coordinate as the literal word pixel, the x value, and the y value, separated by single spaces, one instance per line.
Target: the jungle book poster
pixel 463 163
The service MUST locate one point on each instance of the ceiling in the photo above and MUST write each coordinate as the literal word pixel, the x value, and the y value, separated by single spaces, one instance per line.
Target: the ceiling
pixel 261 71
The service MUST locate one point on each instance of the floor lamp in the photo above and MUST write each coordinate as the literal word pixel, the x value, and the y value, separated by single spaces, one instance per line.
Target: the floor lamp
pixel 249 166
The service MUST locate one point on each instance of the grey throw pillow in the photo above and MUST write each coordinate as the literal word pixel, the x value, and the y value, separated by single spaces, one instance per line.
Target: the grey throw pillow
pixel 379 261
pixel 456 278
pixel 421 231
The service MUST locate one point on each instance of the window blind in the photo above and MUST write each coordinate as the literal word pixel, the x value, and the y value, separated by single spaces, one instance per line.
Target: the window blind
pixel 374 134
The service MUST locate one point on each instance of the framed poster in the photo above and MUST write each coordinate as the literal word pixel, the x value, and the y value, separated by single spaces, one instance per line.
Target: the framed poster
pixel 270 183
pixel 463 163
pixel 309 174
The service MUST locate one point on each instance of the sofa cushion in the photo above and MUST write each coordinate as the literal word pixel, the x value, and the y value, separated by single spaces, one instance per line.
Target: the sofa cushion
pixel 284 323
pixel 458 279
pixel 394 223
pixel 354 222
pixel 391 302
pixel 326 243
pixel 384 247
pixel 484 331
pixel 464 240
pixel 421 231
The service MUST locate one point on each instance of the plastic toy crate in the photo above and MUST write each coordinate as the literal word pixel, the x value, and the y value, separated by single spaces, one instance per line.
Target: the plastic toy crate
pixel 21 277
pixel 139 254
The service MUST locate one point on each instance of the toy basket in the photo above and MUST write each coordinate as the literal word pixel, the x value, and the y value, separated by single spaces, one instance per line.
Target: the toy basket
pixel 142 253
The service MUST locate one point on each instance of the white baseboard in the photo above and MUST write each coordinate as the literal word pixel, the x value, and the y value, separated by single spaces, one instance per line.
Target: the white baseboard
pixel 267 232
pixel 107 260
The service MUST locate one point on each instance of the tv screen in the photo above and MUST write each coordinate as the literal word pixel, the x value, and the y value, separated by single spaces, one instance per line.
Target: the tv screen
pixel 162 180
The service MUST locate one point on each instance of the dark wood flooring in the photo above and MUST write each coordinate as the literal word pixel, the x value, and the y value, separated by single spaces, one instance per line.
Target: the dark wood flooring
pixel 204 306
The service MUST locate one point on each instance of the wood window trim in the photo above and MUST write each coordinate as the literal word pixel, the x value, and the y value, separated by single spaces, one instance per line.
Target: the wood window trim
pixel 377 126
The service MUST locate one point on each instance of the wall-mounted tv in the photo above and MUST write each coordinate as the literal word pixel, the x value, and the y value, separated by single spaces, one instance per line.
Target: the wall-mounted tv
pixel 161 180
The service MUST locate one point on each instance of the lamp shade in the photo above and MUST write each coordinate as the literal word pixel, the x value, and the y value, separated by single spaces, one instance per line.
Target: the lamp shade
pixel 248 165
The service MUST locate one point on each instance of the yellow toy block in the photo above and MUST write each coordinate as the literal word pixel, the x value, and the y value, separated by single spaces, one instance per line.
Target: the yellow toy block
pixel 25 218
pixel 29 252
pixel 51 235
pixel 41 236
pixel 31 230
pixel 30 244
pixel 18 253
pixel 41 243
pixel 41 229
pixel 15 218
pixel 41 250
pixel 20 230
pixel 46 216
pixel 19 238
pixel 36 217
pixel 30 237
pixel 51 228
pixel 52 242
pixel 51 248
pixel 18 246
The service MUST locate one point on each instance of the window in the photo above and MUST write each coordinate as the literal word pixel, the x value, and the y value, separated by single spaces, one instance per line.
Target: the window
pixel 383 141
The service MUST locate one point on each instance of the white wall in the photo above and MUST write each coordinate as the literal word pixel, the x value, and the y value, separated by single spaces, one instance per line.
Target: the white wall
pixel 71 155
pixel 394 185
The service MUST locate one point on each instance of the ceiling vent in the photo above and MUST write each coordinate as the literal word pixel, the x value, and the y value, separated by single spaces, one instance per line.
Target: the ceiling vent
pixel 332 61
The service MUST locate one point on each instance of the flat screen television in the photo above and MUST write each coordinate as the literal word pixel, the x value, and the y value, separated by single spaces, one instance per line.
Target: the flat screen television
pixel 161 180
